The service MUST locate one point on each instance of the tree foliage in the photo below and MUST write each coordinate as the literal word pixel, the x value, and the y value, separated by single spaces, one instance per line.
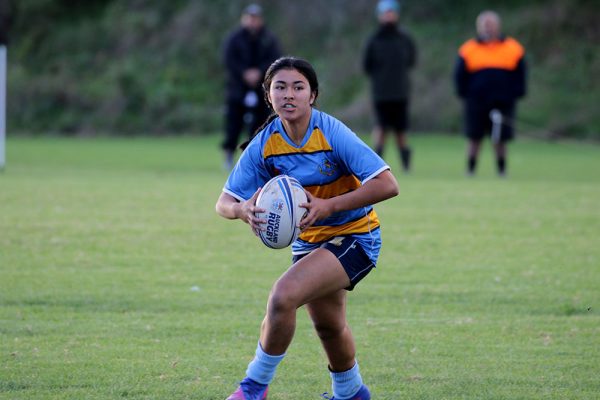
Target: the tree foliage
pixel 154 67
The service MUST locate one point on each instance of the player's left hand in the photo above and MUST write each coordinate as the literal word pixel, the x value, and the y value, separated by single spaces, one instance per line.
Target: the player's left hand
pixel 248 211
pixel 317 209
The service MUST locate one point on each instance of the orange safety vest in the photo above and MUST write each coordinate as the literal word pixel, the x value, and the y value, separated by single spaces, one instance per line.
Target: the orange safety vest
pixel 501 54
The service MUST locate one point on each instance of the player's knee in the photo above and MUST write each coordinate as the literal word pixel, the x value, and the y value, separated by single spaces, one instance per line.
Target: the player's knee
pixel 282 299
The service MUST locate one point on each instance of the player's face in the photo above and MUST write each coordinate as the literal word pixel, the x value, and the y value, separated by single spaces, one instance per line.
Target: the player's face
pixel 290 95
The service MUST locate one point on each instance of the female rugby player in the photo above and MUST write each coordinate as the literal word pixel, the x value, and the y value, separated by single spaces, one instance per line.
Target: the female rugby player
pixel 340 238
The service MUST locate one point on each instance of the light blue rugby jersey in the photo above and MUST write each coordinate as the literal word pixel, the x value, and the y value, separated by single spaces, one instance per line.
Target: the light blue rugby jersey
pixel 330 161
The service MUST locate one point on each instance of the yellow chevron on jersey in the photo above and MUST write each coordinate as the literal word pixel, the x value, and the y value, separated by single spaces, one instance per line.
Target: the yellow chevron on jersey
pixel 344 184
pixel 330 161
pixel 276 145
pixel 316 234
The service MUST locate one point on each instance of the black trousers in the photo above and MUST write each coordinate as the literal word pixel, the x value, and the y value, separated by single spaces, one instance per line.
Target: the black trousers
pixel 238 117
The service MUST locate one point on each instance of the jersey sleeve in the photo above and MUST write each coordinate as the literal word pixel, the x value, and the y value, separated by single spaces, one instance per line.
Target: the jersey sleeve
pixel 355 154
pixel 248 174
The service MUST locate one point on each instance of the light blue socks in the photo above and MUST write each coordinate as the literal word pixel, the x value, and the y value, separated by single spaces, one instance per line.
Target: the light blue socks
pixel 346 384
pixel 262 368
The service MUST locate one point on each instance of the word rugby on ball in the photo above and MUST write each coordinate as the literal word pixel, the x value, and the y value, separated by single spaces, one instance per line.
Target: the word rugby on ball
pixel 281 197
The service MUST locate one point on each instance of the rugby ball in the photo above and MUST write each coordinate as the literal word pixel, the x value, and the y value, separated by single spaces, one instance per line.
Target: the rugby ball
pixel 280 198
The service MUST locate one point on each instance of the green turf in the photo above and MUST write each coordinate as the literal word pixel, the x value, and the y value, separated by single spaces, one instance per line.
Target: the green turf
pixel 119 281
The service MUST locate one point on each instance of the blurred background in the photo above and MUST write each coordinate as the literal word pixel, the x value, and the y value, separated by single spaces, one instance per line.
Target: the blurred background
pixel 143 67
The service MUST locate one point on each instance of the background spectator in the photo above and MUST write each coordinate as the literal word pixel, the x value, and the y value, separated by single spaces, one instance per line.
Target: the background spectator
pixel 389 55
pixel 247 53
pixel 490 76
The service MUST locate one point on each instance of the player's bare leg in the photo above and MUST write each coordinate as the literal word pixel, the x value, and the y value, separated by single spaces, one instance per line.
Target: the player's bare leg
pixel 328 315
pixel 317 275
pixel 314 276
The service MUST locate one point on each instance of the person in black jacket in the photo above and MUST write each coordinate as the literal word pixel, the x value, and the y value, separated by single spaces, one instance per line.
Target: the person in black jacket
pixel 389 56
pixel 490 75
pixel 247 52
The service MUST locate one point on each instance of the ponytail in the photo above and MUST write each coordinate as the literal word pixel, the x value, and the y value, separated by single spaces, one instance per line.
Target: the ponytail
pixel 263 126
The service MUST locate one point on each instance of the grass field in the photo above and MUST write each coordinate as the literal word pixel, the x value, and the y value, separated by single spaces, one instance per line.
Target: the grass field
pixel 119 281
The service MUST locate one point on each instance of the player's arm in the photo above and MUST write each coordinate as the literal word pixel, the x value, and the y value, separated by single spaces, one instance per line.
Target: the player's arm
pixel 231 208
pixel 375 190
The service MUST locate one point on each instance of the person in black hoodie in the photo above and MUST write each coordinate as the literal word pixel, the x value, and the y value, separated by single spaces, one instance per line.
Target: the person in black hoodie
pixel 247 53
pixel 389 56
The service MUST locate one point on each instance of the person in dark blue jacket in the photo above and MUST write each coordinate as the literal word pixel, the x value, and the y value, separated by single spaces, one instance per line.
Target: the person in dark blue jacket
pixel 490 75
pixel 247 53
pixel 389 56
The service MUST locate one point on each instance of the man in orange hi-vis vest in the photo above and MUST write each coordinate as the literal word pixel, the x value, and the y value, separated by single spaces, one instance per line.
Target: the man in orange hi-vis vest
pixel 490 75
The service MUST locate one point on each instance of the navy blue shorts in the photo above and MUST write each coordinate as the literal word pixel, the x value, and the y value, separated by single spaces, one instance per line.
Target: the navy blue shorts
pixel 479 123
pixel 351 255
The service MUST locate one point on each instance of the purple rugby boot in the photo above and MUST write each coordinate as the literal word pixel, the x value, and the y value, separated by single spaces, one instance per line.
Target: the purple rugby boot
pixel 250 390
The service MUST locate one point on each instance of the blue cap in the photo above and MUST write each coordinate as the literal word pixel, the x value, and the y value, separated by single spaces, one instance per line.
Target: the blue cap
pixel 387 5
pixel 253 9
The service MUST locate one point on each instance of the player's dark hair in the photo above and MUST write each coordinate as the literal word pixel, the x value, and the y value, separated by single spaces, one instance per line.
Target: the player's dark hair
pixel 287 62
